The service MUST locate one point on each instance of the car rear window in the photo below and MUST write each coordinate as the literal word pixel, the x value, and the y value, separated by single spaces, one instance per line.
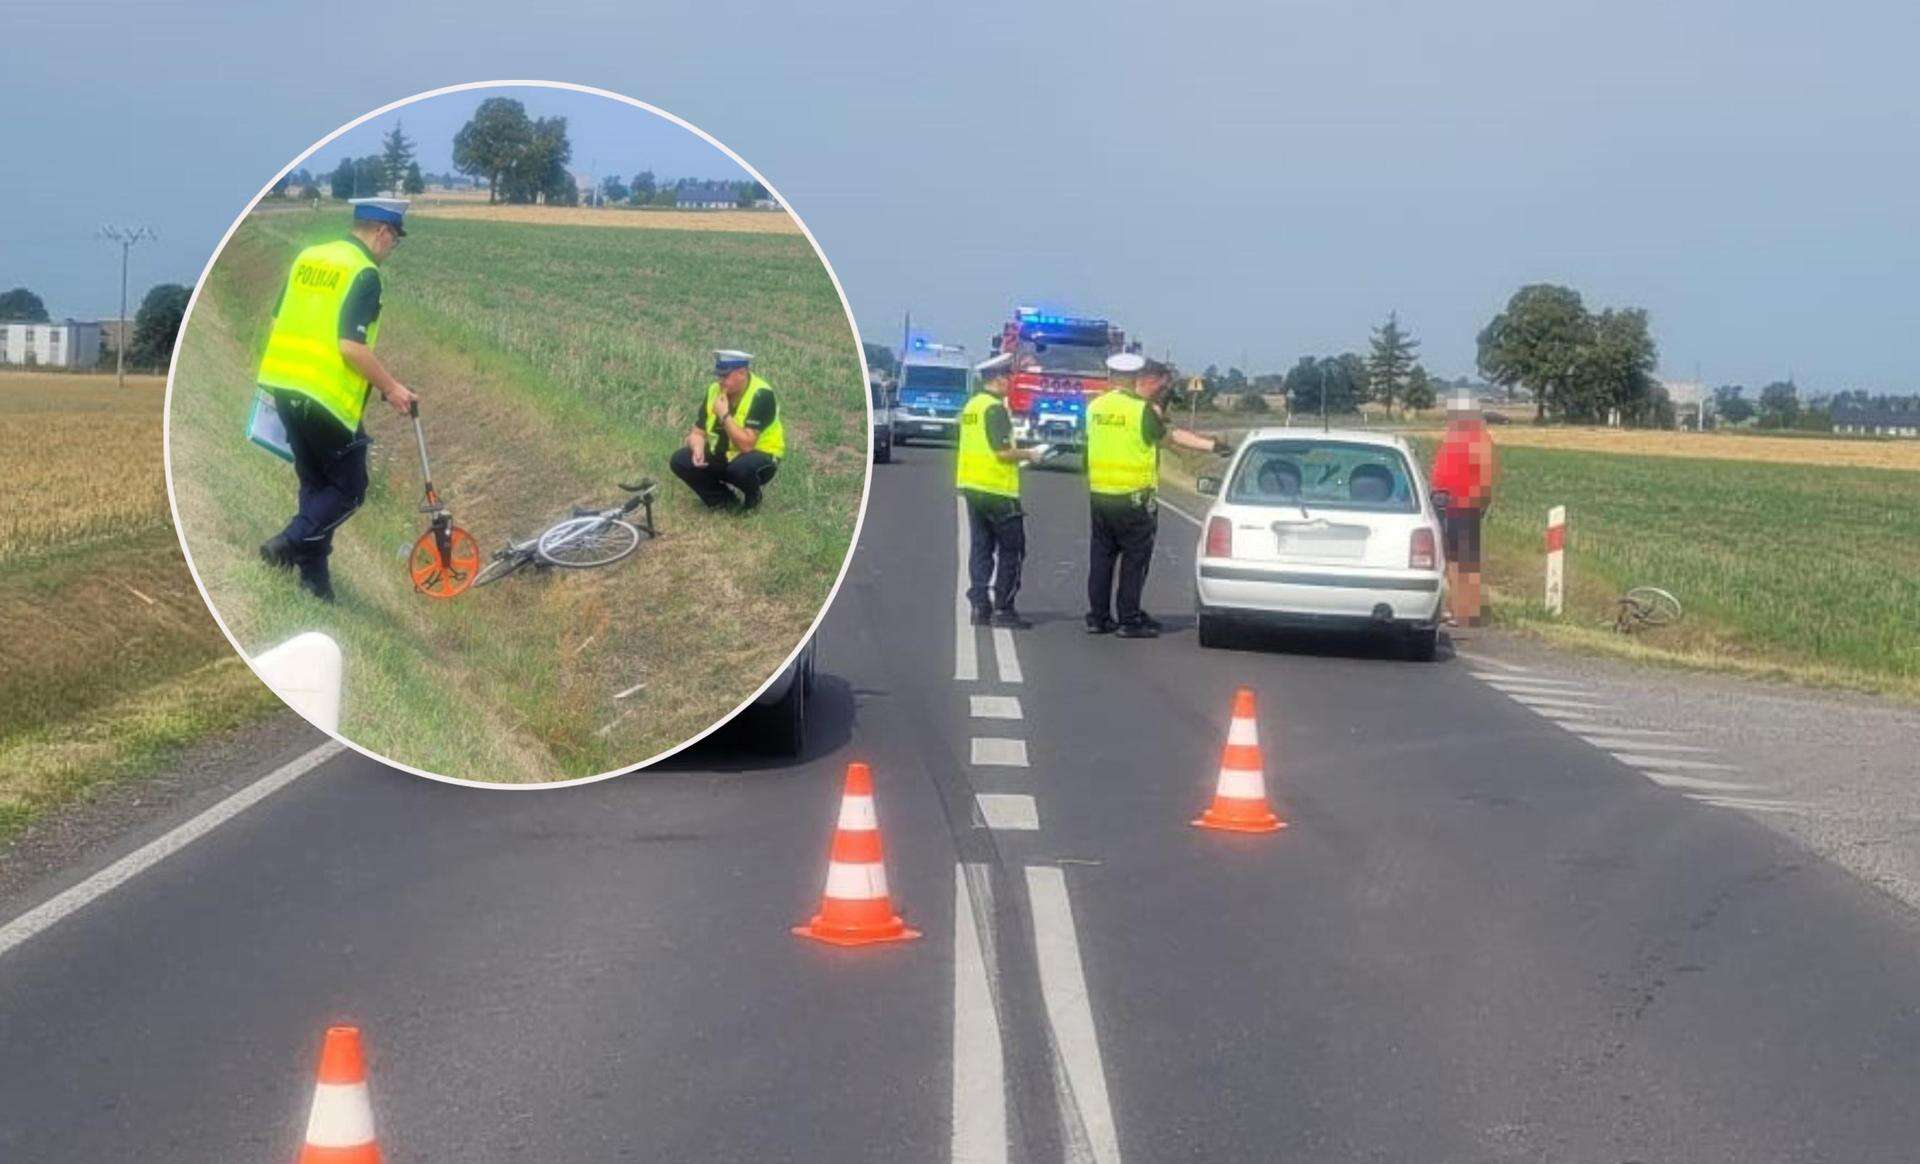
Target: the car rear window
pixel 1324 474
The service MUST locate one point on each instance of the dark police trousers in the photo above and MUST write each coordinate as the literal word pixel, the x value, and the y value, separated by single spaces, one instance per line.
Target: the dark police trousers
pixel 746 472
pixel 331 464
pixel 1123 528
pixel 998 529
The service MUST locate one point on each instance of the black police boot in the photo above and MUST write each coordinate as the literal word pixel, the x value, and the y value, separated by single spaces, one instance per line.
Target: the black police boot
pixel 315 580
pixel 1099 624
pixel 1010 618
pixel 1140 628
pixel 276 551
pixel 982 616
pixel 750 502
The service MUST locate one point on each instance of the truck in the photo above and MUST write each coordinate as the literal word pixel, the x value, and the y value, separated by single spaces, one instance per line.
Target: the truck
pixel 935 381
pixel 1061 364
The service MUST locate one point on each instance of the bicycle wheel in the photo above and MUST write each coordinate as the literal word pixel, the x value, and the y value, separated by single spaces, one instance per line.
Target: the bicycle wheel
pixel 1654 606
pixel 504 563
pixel 583 542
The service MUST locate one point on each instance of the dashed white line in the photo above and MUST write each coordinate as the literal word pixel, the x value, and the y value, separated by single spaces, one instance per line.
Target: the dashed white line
pixel 1567 716
pixel 1004 655
pixel 1484 661
pixel 995 752
pixel 979 1084
pixel 1611 742
pixel 1063 987
pixel 1750 805
pixel 966 652
pixel 1610 729
pixel 1530 680
pixel 1695 784
pixel 49 912
pixel 1013 811
pixel 1640 760
pixel 1546 701
pixel 995 706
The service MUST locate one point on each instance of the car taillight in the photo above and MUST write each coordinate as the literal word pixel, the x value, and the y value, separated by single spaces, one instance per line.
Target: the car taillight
pixel 1219 538
pixel 1421 556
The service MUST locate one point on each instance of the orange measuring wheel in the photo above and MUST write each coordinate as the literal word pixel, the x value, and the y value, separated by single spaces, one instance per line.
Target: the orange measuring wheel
pixel 444 562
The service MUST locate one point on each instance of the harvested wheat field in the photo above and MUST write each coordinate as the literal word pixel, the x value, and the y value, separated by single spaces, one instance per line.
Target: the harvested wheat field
pixel 76 425
pixel 717 221
pixel 1858 453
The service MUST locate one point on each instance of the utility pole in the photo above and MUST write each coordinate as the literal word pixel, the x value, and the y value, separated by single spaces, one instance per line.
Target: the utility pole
pixel 128 237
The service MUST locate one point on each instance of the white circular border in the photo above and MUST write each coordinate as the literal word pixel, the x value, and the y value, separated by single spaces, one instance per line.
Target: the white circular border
pixel 866 486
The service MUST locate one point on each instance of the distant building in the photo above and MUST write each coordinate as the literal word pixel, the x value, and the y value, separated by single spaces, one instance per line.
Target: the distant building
pixel 113 333
pixel 705 196
pixel 71 344
pixel 1876 422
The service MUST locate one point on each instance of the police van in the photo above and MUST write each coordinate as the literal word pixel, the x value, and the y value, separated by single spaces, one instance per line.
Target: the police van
pixel 935 381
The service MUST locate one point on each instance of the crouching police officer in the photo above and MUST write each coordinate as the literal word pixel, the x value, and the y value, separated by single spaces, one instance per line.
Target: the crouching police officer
pixel 737 442
pixel 1124 433
pixel 318 366
pixel 987 474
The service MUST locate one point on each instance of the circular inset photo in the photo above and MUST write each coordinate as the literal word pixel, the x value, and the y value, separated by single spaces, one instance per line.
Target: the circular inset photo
pixel 519 433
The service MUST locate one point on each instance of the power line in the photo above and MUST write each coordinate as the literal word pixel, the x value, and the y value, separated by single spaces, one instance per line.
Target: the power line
pixel 128 237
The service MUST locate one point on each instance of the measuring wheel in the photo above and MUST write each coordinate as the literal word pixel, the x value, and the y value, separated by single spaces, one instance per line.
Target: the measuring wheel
pixel 444 562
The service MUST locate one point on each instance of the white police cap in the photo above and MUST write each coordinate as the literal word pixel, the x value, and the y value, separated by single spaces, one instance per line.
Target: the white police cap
pixel 1126 363
pixel 392 211
pixel 726 360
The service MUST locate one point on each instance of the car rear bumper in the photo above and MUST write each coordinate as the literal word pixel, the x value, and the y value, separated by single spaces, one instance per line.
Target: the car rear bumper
pixel 929 427
pixel 1320 596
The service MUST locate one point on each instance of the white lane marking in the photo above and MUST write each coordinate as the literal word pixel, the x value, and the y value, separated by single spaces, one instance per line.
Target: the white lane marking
pixel 991 751
pixel 1529 687
pixel 1550 701
pixel 1750 805
pixel 1063 987
pixel 1567 717
pixel 1641 760
pixel 979 1084
pixel 1165 504
pixel 1529 681
pixel 966 652
pixel 1484 661
pixel 1004 656
pixel 1610 742
pixel 1008 810
pixel 1695 784
pixel 49 912
pixel 995 706
pixel 1576 726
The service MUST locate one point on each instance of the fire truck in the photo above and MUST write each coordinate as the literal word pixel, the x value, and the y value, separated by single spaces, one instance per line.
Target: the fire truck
pixel 1061 365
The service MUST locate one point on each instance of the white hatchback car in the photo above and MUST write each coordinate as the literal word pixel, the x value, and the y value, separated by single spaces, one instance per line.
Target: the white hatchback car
pixel 1329 529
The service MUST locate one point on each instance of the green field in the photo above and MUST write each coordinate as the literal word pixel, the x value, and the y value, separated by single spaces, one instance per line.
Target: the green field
pixel 1801 571
pixel 552 361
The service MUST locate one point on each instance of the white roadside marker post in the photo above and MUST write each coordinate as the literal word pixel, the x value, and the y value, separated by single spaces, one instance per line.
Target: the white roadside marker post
pixel 1556 559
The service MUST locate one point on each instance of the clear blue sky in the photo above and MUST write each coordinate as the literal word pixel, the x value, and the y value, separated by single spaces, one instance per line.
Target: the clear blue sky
pixel 1258 179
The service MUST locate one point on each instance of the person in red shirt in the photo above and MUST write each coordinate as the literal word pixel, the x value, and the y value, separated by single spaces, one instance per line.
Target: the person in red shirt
pixel 1463 469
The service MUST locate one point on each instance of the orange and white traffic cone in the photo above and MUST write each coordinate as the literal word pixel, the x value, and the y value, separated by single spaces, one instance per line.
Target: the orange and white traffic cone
pixel 855 909
pixel 1240 798
pixel 340 1126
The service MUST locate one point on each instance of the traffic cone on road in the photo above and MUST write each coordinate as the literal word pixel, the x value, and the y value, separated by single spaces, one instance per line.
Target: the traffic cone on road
pixel 855 910
pixel 1240 798
pixel 340 1125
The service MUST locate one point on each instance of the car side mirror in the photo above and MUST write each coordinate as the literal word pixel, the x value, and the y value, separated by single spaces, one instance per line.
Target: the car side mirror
pixel 1207 486
pixel 1442 499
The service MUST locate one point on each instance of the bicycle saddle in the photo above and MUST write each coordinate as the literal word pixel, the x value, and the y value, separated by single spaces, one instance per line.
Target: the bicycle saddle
pixel 645 486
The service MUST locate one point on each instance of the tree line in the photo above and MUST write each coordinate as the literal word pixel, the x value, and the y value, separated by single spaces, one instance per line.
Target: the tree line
pixel 1390 374
pixel 156 324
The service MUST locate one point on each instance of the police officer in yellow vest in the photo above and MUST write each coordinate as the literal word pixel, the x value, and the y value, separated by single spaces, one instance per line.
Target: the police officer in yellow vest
pixel 987 474
pixel 319 366
pixel 736 441
pixel 1124 433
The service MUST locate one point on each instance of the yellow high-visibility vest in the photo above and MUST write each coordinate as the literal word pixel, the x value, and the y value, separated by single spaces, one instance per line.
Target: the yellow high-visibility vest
pixel 772 440
pixel 1119 459
pixel 303 351
pixel 976 466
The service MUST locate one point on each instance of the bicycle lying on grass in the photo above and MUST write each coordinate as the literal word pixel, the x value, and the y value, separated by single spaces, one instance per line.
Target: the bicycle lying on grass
pixel 581 541
pixel 1645 606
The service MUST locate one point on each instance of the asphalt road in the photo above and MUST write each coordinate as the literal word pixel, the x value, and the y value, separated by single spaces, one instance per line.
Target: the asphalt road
pixel 1483 938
